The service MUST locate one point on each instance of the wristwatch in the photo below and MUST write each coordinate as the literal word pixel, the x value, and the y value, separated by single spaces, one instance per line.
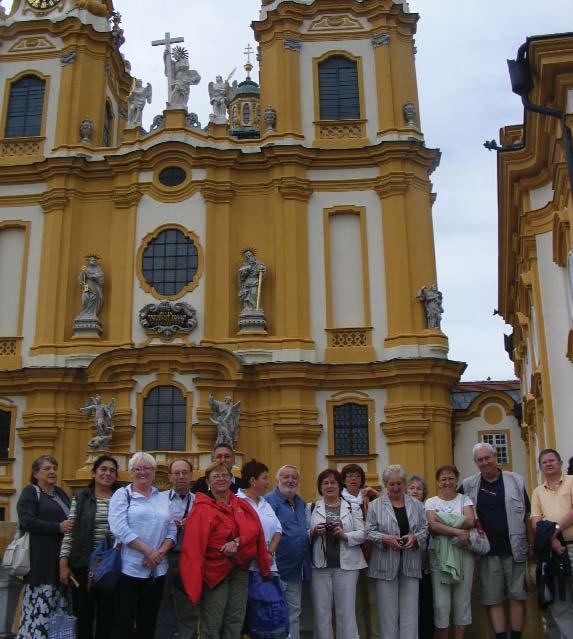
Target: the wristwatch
pixel 236 542
pixel 557 527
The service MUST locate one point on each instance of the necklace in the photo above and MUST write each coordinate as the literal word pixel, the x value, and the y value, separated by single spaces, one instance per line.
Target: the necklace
pixel 334 504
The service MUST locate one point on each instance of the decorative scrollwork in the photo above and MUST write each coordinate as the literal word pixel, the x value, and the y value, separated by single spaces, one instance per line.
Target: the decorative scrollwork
pixel 14 148
pixel 340 130
pixel 167 319
pixel 8 346
pixel 344 338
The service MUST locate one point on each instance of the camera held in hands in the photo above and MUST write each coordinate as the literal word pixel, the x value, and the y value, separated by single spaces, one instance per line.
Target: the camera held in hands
pixel 402 542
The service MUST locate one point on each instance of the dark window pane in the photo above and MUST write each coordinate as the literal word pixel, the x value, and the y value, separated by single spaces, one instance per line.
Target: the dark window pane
pixel 172 176
pixel 338 89
pixel 2 514
pixel 351 429
pixel 170 262
pixel 164 419
pixel 5 418
pixel 25 107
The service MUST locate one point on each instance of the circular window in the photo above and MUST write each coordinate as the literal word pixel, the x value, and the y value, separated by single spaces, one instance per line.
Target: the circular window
pixel 172 176
pixel 170 262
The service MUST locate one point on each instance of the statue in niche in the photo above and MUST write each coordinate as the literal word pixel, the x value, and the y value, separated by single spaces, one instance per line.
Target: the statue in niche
pixel 91 279
pixel 103 424
pixel 432 299
pixel 251 273
pixel 136 103
pixel 220 94
pixel 225 415
pixel 180 75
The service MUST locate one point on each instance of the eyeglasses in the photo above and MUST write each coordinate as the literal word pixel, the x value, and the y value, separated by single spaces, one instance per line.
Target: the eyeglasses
pixel 181 473
pixel 142 469
pixel 219 476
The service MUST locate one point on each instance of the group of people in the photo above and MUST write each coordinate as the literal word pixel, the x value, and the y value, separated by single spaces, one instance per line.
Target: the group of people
pixel 392 565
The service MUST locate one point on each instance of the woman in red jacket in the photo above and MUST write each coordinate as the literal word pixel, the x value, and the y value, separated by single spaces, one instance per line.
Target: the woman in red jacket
pixel 222 536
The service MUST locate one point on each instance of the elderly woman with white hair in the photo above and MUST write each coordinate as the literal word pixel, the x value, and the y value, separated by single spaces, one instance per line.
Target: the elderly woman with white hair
pixel 141 522
pixel 398 526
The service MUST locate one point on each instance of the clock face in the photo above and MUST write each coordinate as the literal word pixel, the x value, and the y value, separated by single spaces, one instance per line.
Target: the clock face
pixel 43 5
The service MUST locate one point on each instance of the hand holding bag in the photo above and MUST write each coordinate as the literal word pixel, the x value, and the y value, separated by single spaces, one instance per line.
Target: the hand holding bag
pixel 62 624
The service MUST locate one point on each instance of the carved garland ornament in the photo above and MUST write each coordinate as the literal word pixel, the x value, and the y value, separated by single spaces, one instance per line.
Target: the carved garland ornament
pixel 167 319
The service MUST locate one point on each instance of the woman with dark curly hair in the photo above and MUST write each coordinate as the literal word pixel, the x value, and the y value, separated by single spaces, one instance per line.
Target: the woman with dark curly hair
pixel 43 510
pixel 89 512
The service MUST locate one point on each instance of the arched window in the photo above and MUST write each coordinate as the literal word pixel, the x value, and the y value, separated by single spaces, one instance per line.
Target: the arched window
pixel 351 429
pixel 25 107
pixel 338 89
pixel 5 419
pixel 246 114
pixel 164 419
pixel 107 135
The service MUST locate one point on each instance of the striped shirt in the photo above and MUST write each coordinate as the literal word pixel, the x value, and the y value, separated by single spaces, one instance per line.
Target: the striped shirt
pixel 101 527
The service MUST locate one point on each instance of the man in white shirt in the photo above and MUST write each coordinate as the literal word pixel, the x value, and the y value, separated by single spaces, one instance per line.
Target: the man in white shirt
pixel 176 614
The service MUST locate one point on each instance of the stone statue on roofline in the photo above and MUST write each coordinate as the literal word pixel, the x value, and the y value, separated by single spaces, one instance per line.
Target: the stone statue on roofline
pixel 220 94
pixel 182 77
pixel 136 103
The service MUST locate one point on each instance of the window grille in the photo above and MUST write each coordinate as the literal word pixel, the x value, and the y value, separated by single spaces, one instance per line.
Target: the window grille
pixel 25 107
pixel 170 262
pixel 164 419
pixel 246 114
pixel 501 444
pixel 5 419
pixel 338 89
pixel 351 429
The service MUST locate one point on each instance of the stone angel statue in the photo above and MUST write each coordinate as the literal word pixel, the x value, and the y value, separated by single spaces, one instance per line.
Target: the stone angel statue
pixel 225 415
pixel 220 94
pixel 103 414
pixel 136 102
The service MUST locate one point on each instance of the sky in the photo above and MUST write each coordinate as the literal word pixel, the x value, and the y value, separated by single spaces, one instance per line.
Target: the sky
pixel 465 98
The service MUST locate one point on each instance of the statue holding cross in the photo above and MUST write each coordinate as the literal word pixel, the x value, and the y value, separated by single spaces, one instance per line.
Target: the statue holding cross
pixel 179 76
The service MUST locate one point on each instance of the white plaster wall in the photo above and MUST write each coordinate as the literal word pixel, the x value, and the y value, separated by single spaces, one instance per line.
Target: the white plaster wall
pixel 317 203
pixel 51 67
pixel 346 270
pixel 467 436
pixel 11 264
pixel 541 196
pixel 358 48
pixel 35 215
pixel 534 337
pixel 188 381
pixel 570 101
pixel 557 324
pixel 380 398
pixel 150 215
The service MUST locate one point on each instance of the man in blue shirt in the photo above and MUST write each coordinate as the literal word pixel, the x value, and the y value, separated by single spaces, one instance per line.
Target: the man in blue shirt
pixel 292 554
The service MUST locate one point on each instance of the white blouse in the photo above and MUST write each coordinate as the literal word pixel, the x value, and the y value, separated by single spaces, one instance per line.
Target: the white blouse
pixel 269 521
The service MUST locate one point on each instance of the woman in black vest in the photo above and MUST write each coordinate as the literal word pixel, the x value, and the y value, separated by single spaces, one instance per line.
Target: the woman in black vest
pixel 89 512
pixel 43 511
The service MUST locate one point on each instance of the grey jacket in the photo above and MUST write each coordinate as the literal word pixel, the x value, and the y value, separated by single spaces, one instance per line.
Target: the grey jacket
pixel 514 487
pixel 381 520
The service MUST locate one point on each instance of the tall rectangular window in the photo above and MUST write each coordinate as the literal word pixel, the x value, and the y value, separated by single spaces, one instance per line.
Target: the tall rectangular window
pixel 107 137
pixel 339 94
pixel 5 419
pixel 25 107
pixel 351 429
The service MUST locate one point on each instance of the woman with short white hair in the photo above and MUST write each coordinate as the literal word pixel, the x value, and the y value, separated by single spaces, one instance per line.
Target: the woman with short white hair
pixel 141 522
pixel 398 526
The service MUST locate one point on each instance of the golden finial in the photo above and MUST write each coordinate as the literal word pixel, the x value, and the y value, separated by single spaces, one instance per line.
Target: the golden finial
pixel 248 67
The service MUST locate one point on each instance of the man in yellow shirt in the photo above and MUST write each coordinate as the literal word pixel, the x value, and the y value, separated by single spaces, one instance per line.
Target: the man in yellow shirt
pixel 553 501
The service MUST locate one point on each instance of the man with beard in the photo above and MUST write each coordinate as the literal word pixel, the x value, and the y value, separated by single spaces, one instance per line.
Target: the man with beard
pixel 292 552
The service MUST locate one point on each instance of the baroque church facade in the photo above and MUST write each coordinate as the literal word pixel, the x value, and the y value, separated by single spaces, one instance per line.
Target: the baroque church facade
pixel 276 259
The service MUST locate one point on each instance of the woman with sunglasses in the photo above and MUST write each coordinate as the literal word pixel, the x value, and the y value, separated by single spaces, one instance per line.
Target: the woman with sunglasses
pixel 140 520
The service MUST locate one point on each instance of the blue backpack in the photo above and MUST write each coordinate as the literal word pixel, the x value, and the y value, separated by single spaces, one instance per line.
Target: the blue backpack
pixel 267 610
pixel 104 569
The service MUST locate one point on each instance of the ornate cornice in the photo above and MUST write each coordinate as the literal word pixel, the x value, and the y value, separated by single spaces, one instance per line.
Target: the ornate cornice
pixel 293 188
pixel 218 192
pixel 126 198
pixel 54 200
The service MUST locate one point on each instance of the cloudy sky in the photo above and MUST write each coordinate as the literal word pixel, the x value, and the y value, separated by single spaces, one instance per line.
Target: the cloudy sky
pixel 465 98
